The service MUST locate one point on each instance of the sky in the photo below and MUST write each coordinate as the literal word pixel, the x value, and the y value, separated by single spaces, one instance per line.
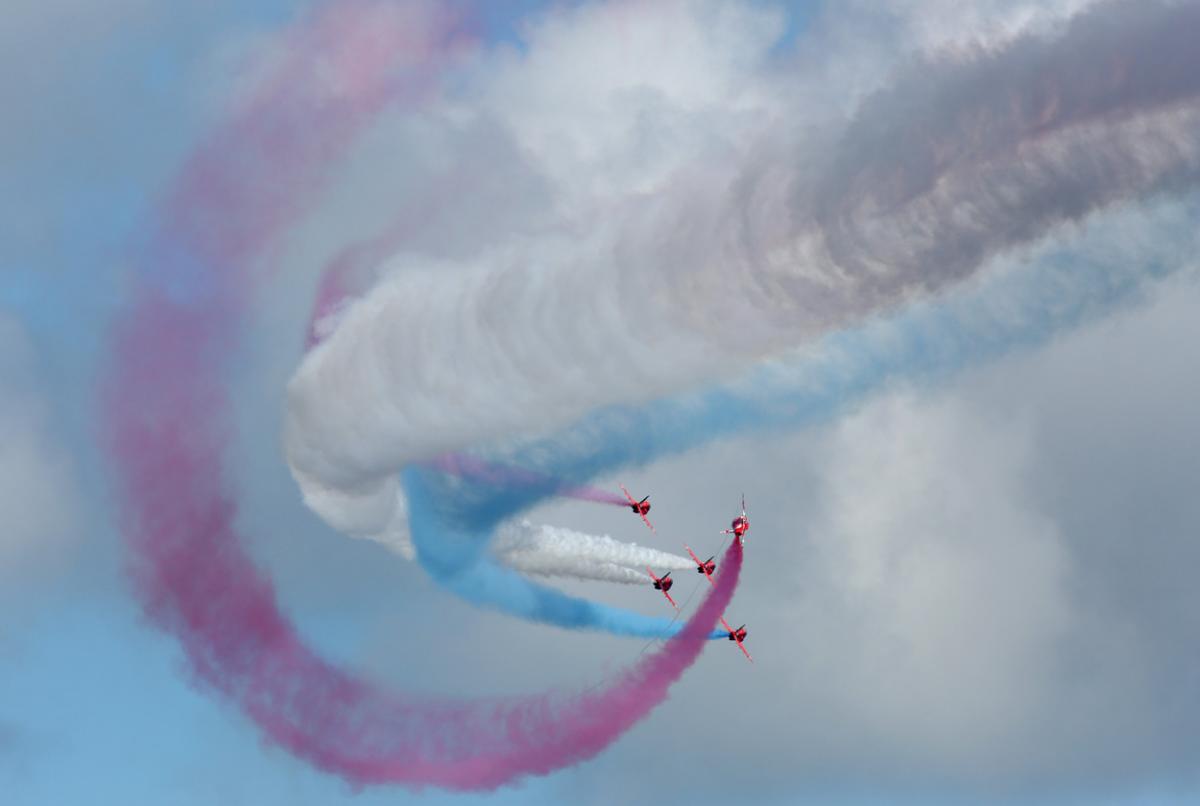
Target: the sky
pixel 916 278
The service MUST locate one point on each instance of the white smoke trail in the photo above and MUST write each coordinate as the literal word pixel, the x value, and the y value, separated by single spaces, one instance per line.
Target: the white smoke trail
pixel 551 551
pixel 764 240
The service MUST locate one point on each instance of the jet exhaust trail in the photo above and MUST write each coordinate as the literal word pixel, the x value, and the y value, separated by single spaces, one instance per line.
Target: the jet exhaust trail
pixel 552 551
pixel 548 552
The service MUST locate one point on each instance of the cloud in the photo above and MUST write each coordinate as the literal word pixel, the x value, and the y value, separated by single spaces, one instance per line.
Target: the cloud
pixel 37 484
pixel 938 577
pixel 933 25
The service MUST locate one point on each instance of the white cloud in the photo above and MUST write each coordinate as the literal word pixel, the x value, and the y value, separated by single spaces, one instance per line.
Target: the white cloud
pixel 941 24
pixel 612 99
pixel 947 589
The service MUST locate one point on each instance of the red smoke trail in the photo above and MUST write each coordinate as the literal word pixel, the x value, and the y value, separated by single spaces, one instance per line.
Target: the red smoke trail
pixel 166 413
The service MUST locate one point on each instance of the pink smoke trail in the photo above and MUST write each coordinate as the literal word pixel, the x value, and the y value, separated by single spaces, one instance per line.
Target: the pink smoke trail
pixel 165 414
pixel 254 176
pixel 332 292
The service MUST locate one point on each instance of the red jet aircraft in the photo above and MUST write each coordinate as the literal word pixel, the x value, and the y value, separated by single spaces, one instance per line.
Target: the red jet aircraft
pixel 737 635
pixel 740 525
pixel 707 567
pixel 663 584
pixel 640 508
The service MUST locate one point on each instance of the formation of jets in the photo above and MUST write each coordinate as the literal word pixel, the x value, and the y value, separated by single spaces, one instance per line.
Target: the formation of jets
pixel 738 528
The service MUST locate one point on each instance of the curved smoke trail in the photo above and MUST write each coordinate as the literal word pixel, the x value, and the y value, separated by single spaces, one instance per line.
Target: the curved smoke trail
pixel 546 551
pixel 801 236
pixel 165 414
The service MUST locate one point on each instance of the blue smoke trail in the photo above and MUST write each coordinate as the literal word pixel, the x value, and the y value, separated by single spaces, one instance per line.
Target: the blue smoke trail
pixel 453 519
